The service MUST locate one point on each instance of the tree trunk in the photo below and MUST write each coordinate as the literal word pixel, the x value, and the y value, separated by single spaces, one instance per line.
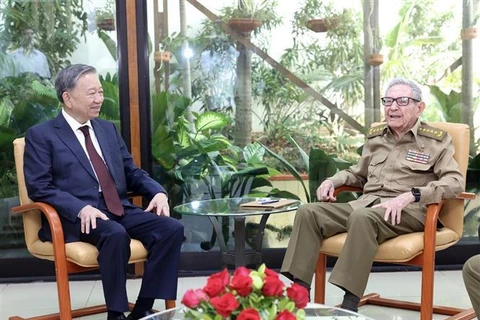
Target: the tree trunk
pixel 467 72
pixel 243 96
pixel 186 76
pixel 376 70
pixel 368 69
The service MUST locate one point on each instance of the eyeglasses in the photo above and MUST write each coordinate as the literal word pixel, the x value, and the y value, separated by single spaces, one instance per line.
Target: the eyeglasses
pixel 401 101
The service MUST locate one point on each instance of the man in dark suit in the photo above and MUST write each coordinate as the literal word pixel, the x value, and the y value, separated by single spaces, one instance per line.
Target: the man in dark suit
pixel 80 165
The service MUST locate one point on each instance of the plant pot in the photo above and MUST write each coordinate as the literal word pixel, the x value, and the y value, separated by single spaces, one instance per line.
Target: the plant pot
pixel 107 24
pixel 244 25
pixel 375 59
pixel 468 33
pixel 321 25
pixel 164 56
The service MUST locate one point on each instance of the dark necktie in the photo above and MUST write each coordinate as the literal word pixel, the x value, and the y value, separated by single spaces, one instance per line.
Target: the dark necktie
pixel 109 190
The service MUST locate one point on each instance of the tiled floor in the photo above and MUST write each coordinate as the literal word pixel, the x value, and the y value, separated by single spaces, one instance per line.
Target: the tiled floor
pixel 29 299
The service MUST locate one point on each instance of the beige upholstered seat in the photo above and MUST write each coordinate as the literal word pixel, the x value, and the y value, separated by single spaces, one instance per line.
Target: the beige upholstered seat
pixel 416 248
pixel 68 257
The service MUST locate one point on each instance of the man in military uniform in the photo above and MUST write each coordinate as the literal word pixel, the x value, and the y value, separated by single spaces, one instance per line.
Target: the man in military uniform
pixel 405 165
pixel 471 277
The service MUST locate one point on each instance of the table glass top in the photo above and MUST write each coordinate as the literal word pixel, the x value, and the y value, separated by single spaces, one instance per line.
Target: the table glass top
pixel 229 207
pixel 312 311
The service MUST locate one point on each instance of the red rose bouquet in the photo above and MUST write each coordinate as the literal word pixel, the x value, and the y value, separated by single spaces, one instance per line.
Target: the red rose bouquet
pixel 246 295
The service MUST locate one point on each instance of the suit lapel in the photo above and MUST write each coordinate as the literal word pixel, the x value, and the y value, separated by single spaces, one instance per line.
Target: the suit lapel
pixel 65 133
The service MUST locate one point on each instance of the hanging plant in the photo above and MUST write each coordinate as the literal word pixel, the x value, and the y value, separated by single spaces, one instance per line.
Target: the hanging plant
pixel 250 15
pixel 105 17
pixel 375 59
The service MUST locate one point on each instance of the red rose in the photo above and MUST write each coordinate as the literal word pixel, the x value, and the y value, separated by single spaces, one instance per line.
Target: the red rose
pixel 243 284
pixel 249 314
pixel 298 294
pixel 217 283
pixel 272 287
pixel 286 315
pixel 192 298
pixel 214 287
pixel 223 276
pixel 241 271
pixel 225 304
pixel 271 273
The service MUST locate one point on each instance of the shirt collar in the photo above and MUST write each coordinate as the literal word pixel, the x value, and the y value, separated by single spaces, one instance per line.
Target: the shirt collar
pixel 413 129
pixel 74 124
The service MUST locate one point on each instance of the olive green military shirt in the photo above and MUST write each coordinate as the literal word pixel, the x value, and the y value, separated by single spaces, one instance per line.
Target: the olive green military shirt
pixel 422 158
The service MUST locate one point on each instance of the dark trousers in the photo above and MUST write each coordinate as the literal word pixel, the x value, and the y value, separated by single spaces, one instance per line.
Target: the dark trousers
pixel 162 236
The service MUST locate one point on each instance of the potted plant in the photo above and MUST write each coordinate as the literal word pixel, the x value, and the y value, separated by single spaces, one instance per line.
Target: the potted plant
pixel 317 15
pixel 105 17
pixel 374 45
pixel 249 15
pixel 375 59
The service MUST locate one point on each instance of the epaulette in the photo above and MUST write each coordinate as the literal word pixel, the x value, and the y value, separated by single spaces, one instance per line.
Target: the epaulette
pixel 376 131
pixel 431 132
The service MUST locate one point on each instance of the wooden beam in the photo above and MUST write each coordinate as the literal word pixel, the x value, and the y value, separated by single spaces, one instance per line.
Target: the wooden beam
pixel 135 146
pixel 133 81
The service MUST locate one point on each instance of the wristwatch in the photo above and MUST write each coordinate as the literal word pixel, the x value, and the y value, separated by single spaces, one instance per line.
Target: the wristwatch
pixel 416 194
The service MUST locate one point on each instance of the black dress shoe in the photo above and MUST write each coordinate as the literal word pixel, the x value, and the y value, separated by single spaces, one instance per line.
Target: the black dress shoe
pixel 119 317
pixel 136 316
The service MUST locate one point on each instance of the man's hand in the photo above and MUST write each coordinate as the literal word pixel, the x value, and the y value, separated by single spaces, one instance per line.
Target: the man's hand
pixel 88 217
pixel 159 205
pixel 325 191
pixel 395 206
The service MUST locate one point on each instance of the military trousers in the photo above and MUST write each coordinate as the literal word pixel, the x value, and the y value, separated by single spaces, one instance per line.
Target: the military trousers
pixel 471 277
pixel 366 229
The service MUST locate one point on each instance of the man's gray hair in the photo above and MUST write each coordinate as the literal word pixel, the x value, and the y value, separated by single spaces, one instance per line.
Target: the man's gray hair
pixel 416 91
pixel 68 77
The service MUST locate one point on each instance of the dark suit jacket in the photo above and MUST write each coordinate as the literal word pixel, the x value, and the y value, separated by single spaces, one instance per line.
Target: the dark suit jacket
pixel 58 172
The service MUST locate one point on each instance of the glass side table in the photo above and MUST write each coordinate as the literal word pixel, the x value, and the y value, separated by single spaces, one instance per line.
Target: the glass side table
pixel 230 207
pixel 312 311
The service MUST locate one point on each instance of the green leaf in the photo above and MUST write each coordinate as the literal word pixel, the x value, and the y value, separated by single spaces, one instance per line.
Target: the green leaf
pixel 109 43
pixel 272 312
pixel 211 120
pixel 303 154
pixel 289 167
pixel 322 166
pixel 6 108
pixel 253 153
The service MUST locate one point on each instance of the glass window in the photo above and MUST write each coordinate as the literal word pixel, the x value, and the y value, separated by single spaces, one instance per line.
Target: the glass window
pixel 274 80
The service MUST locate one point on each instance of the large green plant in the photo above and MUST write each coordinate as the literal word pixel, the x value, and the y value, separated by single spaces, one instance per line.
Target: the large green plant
pixel 110 107
pixel 192 163
pixel 187 156
pixel 58 25
pixel 319 164
pixel 416 46
pixel 450 105
pixel 24 101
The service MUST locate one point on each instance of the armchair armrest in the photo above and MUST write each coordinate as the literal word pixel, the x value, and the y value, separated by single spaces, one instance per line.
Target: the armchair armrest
pixel 466 196
pixel 53 219
pixel 49 212
pixel 345 188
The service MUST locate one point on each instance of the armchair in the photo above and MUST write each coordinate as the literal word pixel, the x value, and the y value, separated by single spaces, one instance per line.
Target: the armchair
pixel 417 248
pixel 69 258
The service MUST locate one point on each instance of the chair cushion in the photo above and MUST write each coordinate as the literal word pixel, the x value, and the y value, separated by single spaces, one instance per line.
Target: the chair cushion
pixel 398 249
pixel 84 254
